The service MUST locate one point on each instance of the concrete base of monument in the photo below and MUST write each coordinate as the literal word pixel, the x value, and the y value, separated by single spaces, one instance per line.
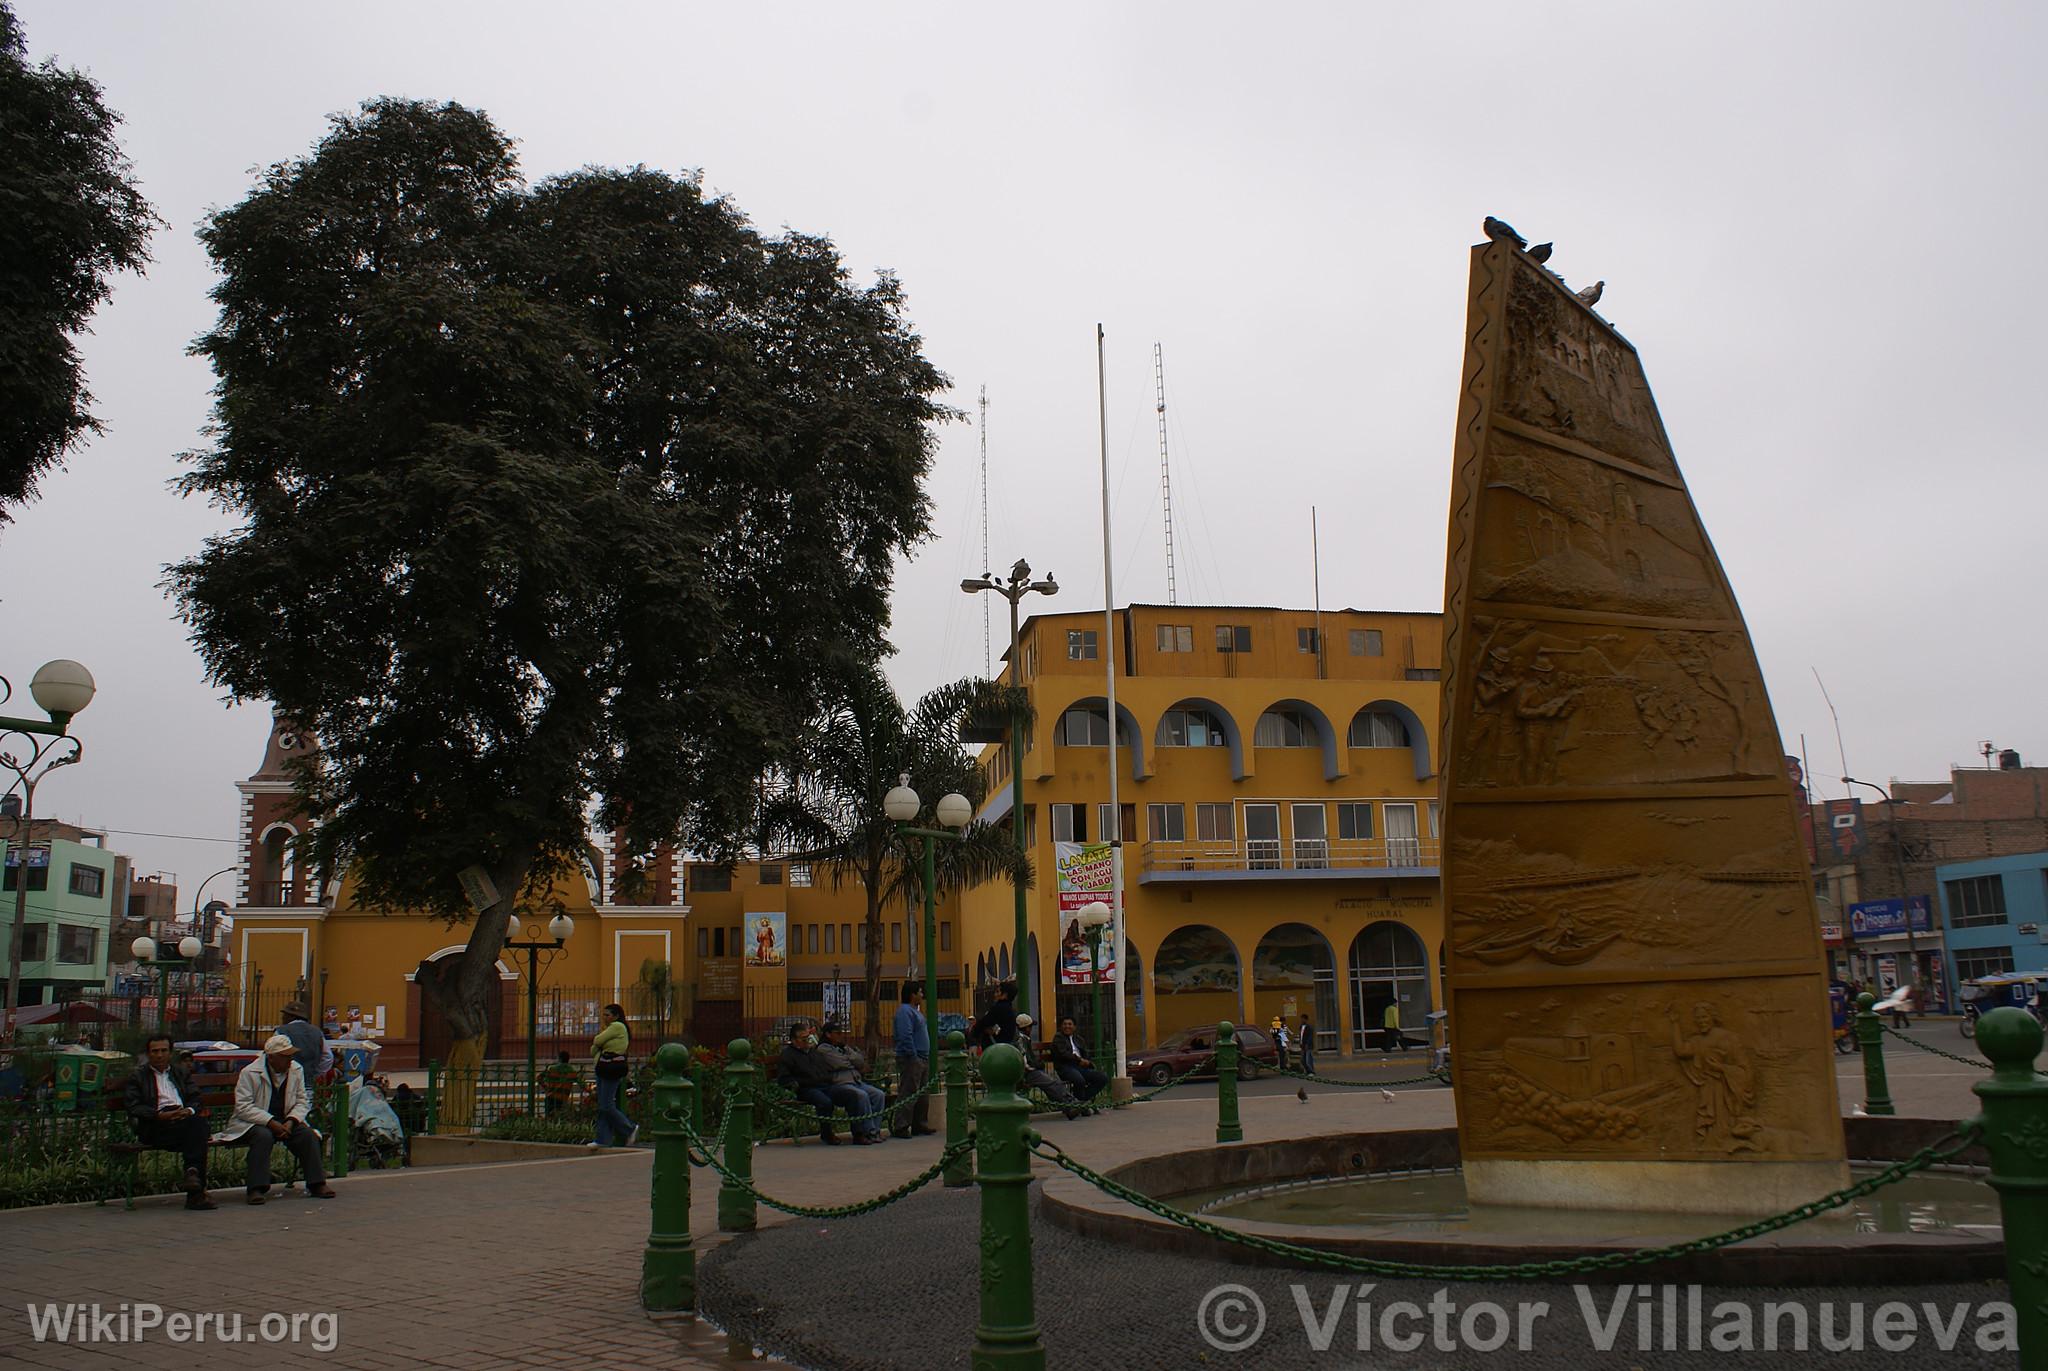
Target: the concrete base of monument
pixel 1757 1189
pixel 1400 1197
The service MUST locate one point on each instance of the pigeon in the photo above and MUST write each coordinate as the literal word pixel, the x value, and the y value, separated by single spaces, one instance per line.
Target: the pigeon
pixel 1302 1094
pixel 1540 253
pixel 1891 1001
pixel 1591 294
pixel 1387 1095
pixel 1499 228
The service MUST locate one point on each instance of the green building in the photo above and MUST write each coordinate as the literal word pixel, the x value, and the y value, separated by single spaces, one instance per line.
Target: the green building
pixel 74 889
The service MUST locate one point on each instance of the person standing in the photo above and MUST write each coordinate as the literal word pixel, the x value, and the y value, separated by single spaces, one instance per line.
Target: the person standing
pixel 913 1043
pixel 315 1057
pixel 609 1048
pixel 1308 1045
pixel 1391 1022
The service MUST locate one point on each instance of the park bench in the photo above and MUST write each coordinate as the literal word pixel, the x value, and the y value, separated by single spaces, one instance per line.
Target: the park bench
pixel 216 1092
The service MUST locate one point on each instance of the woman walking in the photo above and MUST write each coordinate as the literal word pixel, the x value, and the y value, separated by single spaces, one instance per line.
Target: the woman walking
pixel 609 1048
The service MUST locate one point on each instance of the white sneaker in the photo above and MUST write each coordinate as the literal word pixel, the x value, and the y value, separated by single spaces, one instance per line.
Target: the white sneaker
pixel 634 1134
pixel 593 1145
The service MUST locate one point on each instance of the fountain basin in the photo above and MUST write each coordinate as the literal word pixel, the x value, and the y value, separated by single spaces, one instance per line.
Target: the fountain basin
pixel 1948 1232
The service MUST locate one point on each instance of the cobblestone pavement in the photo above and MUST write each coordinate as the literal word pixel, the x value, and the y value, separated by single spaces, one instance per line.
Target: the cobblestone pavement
pixel 537 1263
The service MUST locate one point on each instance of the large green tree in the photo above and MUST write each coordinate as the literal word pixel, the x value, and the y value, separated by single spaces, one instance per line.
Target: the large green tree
pixel 826 806
pixel 556 503
pixel 70 218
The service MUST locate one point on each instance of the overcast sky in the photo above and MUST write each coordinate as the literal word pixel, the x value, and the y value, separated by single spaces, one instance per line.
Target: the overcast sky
pixel 1801 212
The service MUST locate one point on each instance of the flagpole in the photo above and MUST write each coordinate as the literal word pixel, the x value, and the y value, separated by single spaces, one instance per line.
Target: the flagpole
pixel 1109 658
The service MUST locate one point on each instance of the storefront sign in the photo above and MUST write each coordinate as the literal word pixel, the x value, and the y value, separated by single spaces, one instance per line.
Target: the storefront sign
pixel 1878 918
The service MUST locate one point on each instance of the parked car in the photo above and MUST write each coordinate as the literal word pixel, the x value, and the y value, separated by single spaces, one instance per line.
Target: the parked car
pixel 1191 1046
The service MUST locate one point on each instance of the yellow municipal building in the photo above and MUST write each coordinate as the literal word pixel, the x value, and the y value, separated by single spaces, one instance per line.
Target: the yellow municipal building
pixel 1276 771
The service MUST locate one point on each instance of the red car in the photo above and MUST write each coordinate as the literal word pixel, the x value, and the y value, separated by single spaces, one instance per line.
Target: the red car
pixel 1191 1046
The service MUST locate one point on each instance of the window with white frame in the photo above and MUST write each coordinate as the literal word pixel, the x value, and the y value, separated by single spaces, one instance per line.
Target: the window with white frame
pixel 800 874
pixel 1976 901
pixel 1354 819
pixel 1108 831
pixel 90 881
pixel 1070 823
pixel 1080 644
pixel 1233 637
pixel 1285 727
pixel 1168 823
pixel 1305 640
pixel 1191 727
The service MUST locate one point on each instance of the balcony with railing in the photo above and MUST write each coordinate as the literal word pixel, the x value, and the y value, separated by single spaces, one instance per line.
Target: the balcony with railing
pixel 1255 859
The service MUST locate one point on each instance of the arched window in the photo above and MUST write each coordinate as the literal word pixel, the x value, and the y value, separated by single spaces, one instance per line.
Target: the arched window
pixel 1285 726
pixel 1084 727
pixel 1378 728
pixel 1191 726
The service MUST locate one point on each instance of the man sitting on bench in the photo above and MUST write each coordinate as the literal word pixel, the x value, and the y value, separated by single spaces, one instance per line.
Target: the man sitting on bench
pixel 270 1108
pixel 1073 1064
pixel 167 1115
pixel 1036 1077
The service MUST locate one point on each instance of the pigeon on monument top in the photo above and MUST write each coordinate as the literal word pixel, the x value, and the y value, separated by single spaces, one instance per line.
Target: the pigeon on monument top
pixel 1500 228
pixel 1591 294
pixel 1540 253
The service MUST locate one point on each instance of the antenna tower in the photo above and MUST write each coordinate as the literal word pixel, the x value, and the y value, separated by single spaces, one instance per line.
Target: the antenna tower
pixel 988 661
pixel 1165 475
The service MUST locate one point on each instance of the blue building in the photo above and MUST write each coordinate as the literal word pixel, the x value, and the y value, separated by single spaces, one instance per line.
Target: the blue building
pixel 1994 911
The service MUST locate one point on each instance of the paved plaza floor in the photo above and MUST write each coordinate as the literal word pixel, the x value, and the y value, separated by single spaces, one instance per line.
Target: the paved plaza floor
pixel 536 1264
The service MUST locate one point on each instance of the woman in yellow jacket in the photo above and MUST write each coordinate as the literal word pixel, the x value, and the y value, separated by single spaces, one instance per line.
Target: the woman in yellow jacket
pixel 611 1040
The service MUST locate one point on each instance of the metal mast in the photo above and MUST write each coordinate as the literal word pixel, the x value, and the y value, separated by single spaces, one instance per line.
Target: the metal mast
pixel 1165 478
pixel 987 653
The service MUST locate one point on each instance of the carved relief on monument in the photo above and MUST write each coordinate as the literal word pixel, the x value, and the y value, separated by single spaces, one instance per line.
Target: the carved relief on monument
pixel 1569 374
pixel 1563 704
pixel 1560 530
pixel 1706 1070
pixel 1588 883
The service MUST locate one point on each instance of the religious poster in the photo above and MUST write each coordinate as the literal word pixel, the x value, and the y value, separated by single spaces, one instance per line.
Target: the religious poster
pixel 1086 874
pixel 766 939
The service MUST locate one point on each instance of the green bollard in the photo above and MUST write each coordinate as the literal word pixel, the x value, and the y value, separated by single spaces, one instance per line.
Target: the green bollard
pixel 1877 1095
pixel 668 1269
pixel 337 1132
pixel 736 1206
pixel 697 1097
pixel 1006 1338
pixel 959 1171
pixel 2015 1124
pixel 1228 1129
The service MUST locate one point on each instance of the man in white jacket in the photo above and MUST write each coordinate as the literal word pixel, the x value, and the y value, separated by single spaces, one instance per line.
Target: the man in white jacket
pixel 270 1108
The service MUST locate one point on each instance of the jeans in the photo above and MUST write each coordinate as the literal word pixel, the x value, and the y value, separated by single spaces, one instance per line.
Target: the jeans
pixel 872 1099
pixel 305 1145
pixel 611 1124
pixel 911 1074
pixel 1308 1056
pixel 1086 1080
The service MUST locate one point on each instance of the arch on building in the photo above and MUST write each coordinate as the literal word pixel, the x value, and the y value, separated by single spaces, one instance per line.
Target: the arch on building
pixel 436 1036
pixel 1129 737
pixel 1388 964
pixel 1233 734
pixel 276 877
pixel 1418 737
pixel 1002 963
pixel 1197 978
pixel 1294 975
pixel 1327 736
pixel 981 968
pixel 1134 997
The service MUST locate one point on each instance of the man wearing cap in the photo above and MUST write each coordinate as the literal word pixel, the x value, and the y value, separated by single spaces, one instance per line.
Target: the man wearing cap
pixel 845 1062
pixel 309 1044
pixel 1036 1077
pixel 270 1108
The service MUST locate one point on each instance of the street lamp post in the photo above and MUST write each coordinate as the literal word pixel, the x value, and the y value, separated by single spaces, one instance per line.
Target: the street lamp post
pixel 533 945
pixel 903 805
pixel 1014 590
pixel 60 688
pixel 145 950
pixel 1095 916
pixel 1905 898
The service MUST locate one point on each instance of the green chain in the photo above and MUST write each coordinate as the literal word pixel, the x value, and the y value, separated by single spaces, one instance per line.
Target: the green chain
pixel 1964 1136
pixel 1930 1047
pixel 1441 1077
pixel 811 1116
pixel 701 1155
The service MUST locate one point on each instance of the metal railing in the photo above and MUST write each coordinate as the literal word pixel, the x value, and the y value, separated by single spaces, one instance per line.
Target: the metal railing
pixel 1162 858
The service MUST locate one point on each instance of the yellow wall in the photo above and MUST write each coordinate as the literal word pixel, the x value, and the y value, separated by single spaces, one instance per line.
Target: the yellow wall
pixel 1338 904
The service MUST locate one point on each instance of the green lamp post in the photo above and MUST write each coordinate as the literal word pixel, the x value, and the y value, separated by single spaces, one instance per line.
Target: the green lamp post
pixel 147 952
pixel 60 689
pixel 534 946
pixel 1094 917
pixel 903 805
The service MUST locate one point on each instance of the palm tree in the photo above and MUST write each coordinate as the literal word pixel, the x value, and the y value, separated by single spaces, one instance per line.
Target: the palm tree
pixel 826 808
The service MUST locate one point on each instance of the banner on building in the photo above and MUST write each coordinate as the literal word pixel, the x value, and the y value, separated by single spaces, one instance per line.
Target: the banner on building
pixel 1086 874
pixel 767 939
pixel 1834 831
pixel 1877 918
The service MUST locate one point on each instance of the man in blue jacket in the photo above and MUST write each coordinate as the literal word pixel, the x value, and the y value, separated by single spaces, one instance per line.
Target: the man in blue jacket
pixel 913 1063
